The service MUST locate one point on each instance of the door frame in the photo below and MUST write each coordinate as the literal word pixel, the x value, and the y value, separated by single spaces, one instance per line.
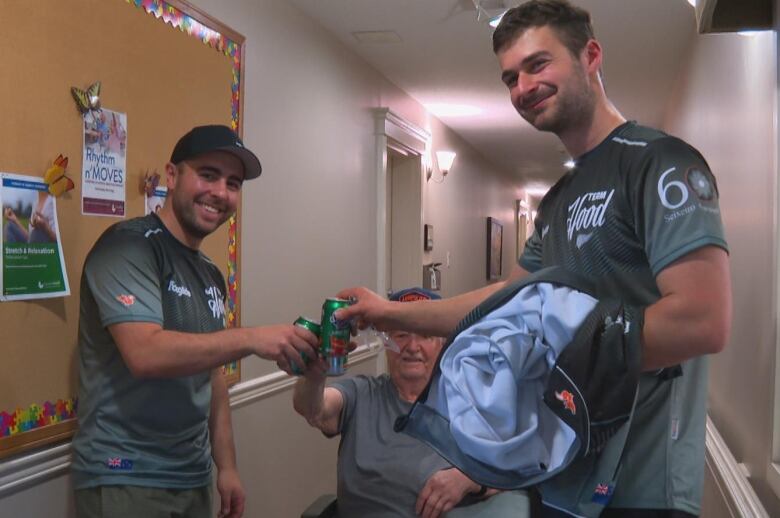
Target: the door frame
pixel 394 132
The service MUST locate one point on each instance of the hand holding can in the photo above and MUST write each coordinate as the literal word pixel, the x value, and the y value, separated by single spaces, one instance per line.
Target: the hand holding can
pixel 311 325
pixel 334 338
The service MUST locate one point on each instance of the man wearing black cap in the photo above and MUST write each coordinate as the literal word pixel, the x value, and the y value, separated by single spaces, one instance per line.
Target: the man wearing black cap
pixel 153 405
pixel 381 472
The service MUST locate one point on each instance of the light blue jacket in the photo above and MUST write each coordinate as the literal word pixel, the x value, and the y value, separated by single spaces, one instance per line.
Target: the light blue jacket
pixel 516 397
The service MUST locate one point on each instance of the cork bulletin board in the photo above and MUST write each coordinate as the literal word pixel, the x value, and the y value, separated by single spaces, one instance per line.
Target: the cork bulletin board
pixel 166 65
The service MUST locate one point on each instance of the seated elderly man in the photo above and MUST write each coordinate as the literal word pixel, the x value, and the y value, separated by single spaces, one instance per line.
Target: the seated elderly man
pixel 380 472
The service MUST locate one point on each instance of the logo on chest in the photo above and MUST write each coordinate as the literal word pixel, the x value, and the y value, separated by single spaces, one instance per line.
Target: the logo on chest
pixel 586 214
pixel 179 289
pixel 216 304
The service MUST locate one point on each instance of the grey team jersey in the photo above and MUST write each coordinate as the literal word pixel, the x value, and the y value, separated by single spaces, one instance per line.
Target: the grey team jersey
pixel 380 471
pixel 631 206
pixel 147 432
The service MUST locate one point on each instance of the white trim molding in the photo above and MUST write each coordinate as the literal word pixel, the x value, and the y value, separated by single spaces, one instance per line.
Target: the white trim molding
pixel 241 394
pixel 27 470
pixel 34 468
pixel 393 131
pixel 737 492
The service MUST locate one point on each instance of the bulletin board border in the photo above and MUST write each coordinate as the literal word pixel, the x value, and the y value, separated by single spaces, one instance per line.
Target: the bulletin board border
pixel 25 429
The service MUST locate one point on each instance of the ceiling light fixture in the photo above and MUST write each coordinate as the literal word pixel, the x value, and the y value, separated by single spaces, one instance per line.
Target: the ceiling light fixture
pixel 536 190
pixel 452 110
pixel 569 164
pixel 490 11
pixel 496 20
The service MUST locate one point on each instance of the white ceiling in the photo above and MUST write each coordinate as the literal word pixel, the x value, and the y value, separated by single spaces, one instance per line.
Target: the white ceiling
pixel 445 56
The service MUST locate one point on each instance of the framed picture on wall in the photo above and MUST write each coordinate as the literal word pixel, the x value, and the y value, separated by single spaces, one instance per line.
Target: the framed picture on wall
pixel 427 238
pixel 494 248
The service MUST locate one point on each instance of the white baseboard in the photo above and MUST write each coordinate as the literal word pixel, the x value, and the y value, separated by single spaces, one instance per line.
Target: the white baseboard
pixel 34 468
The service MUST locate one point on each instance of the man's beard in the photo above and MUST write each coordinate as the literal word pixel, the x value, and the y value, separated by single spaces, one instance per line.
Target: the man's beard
pixel 573 108
pixel 185 214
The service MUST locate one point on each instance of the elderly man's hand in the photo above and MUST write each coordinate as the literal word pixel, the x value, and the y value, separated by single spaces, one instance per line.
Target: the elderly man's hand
pixel 443 491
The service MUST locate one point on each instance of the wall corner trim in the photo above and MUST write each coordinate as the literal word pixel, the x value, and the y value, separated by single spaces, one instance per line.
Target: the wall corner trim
pixel 732 483
pixel 18 473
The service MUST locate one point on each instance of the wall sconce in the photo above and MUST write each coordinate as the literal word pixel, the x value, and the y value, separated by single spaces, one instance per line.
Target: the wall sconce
pixel 444 160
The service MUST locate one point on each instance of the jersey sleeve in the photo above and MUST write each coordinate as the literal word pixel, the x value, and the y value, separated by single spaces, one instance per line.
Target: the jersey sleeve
pixel 124 277
pixel 675 204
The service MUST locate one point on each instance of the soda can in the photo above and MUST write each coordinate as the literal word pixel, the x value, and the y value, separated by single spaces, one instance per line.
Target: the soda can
pixel 311 325
pixel 334 338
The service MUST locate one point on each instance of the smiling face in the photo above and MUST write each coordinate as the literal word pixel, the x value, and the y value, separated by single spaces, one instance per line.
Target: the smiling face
pixel 203 193
pixel 414 363
pixel 549 87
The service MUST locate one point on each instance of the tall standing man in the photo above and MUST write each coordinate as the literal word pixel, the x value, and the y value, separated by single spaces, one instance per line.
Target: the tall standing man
pixel 639 214
pixel 153 405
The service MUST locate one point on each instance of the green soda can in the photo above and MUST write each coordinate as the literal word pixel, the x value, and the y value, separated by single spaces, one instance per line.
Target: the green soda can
pixel 311 325
pixel 335 336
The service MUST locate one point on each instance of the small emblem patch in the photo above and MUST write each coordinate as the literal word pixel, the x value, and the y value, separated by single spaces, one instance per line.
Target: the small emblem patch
pixel 119 463
pixel 127 300
pixel 701 184
pixel 602 494
pixel 568 401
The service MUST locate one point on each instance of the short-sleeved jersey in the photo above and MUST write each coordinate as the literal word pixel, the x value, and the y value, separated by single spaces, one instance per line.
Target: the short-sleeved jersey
pixel 380 471
pixel 147 432
pixel 630 207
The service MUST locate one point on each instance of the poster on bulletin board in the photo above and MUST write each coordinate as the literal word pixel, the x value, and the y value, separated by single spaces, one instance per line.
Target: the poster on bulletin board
pixel 155 200
pixel 105 173
pixel 33 266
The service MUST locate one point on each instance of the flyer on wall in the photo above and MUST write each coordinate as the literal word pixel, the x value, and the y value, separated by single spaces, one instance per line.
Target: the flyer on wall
pixel 104 177
pixel 32 265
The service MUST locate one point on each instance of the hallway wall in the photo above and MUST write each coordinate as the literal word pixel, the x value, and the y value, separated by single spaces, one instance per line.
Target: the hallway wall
pixel 725 106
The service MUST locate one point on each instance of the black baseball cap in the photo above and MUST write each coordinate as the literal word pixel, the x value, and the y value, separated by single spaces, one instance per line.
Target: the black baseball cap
pixel 215 137
pixel 414 294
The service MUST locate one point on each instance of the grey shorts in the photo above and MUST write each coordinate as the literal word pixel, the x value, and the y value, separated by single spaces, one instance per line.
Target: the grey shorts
pixel 148 502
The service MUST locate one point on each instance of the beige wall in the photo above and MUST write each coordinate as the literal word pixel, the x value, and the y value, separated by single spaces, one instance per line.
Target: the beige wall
pixel 458 209
pixel 309 221
pixel 725 106
pixel 309 229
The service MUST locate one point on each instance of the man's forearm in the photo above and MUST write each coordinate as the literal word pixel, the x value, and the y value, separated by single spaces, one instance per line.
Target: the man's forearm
pixel 308 399
pixel 676 331
pixel 693 315
pixel 441 317
pixel 150 351
pixel 223 449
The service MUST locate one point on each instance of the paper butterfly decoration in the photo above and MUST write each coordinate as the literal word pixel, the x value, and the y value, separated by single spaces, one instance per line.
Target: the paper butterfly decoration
pixel 149 182
pixel 87 100
pixel 55 177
